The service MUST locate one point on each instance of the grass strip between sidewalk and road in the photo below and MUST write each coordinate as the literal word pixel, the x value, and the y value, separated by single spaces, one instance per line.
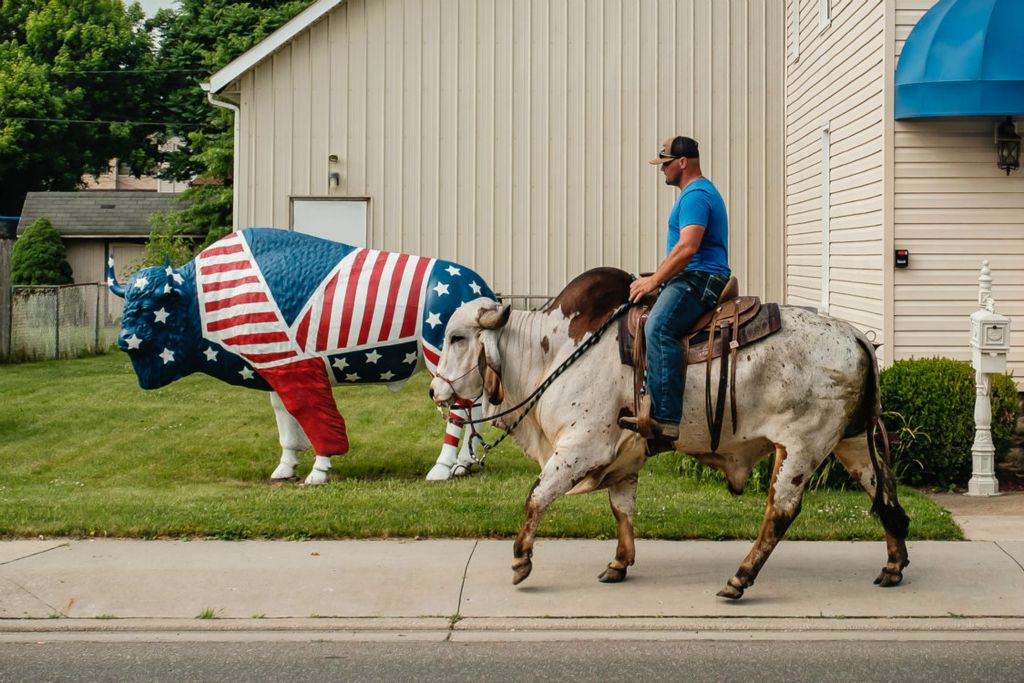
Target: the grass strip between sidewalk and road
pixel 85 452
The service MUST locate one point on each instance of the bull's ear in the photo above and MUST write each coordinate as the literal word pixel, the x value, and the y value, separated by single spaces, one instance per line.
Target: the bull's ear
pixel 494 317
pixel 490 368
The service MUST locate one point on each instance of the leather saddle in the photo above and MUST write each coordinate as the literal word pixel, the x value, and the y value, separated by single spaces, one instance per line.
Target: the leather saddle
pixel 732 324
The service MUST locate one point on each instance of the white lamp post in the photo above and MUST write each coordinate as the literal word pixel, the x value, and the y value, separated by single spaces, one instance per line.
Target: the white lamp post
pixel 990 342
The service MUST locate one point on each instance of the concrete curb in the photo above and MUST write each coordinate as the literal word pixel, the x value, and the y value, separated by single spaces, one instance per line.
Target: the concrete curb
pixel 504 630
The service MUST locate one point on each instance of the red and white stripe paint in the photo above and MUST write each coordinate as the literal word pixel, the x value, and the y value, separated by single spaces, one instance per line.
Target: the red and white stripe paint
pixel 236 308
pixel 371 298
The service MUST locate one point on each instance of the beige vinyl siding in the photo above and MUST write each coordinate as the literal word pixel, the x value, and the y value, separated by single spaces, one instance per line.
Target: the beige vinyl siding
pixel 838 83
pixel 953 209
pixel 513 136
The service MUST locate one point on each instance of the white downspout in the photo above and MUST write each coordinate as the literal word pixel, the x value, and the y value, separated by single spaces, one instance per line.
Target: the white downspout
pixel 225 104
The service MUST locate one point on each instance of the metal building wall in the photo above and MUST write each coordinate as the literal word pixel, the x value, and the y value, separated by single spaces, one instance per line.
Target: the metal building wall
pixel 513 136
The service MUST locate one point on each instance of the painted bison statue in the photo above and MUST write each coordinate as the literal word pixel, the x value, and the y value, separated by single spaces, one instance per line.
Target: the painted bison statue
pixel 294 314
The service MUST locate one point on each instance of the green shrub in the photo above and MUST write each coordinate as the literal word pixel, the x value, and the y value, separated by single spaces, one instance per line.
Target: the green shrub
pixel 38 257
pixel 930 402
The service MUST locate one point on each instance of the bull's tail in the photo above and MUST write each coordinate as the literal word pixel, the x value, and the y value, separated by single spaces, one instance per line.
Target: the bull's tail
pixel 868 419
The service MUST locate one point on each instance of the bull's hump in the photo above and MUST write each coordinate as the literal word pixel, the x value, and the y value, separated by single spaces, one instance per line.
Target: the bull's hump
pixel 591 298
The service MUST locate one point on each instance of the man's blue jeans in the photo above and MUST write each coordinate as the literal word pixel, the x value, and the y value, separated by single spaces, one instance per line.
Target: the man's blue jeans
pixel 683 300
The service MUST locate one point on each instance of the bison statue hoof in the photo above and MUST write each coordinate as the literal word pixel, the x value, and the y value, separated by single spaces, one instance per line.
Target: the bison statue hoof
pixel 315 478
pixel 283 473
pixel 439 472
pixel 520 570
pixel 612 575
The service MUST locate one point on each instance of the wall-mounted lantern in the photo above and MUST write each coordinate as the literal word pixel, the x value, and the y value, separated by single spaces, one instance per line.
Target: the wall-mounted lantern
pixel 1007 146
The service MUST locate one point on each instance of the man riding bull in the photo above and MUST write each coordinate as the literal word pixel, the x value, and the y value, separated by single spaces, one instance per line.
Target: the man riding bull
pixel 691 278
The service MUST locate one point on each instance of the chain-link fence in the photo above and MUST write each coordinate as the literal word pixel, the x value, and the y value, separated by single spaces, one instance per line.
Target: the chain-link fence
pixel 50 322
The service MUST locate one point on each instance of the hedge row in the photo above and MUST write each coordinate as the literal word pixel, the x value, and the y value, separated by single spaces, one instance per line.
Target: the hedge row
pixel 929 402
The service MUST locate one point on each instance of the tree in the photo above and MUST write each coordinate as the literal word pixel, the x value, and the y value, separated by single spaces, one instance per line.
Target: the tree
pixel 65 64
pixel 197 39
pixel 38 257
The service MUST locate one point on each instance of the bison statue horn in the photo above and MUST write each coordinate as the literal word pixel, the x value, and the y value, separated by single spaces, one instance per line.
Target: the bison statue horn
pixel 115 286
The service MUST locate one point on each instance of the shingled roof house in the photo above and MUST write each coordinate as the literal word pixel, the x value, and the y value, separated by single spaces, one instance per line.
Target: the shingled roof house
pixel 97 224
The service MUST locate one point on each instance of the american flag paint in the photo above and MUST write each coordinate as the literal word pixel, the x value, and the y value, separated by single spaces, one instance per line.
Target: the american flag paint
pixel 368 305
pixel 275 309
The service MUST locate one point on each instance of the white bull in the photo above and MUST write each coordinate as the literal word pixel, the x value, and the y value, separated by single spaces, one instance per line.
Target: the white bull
pixel 805 392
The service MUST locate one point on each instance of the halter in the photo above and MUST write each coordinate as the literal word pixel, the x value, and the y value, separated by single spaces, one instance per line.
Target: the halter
pixel 531 400
pixel 451 385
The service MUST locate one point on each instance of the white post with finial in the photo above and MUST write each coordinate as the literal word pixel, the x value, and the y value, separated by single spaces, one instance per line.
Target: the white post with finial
pixel 990 343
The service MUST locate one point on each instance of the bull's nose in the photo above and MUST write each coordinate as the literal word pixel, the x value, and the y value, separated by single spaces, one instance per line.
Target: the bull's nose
pixel 438 392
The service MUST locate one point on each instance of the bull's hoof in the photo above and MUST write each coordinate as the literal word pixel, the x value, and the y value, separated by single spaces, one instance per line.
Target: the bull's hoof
pixel 889 577
pixel 612 575
pixel 730 591
pixel 520 570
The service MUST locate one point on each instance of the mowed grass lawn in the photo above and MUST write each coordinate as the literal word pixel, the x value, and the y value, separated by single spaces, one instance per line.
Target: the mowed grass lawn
pixel 85 452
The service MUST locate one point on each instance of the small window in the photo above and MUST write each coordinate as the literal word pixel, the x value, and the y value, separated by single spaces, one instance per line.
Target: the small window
pixel 824 14
pixel 794 29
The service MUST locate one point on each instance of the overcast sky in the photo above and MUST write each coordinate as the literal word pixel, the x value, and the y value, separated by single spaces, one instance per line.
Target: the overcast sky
pixel 151 6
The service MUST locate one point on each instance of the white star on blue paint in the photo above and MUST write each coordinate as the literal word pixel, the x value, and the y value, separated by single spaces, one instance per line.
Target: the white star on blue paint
pixel 160 316
pixel 169 270
pixel 211 354
pixel 411 357
pixel 246 373
pixel 475 287
pixel 453 271
pixel 433 320
pixel 133 342
pixel 340 363
pixel 141 282
pixel 351 377
pixel 372 357
pixel 179 278
pixel 387 375
pixel 441 288
pixel 167 355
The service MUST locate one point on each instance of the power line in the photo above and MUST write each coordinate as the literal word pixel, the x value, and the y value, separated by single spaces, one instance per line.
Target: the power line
pixel 130 71
pixel 97 121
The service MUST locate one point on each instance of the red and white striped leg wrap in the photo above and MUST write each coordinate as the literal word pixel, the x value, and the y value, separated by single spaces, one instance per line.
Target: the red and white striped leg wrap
pixel 452 435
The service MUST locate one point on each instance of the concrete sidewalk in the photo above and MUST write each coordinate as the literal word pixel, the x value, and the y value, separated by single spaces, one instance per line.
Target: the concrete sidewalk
pixel 461 590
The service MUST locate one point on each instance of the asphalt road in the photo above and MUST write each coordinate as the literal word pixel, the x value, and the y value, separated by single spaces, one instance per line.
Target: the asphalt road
pixel 934 662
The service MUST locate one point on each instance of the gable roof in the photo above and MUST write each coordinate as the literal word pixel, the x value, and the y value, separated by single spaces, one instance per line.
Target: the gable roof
pixel 266 47
pixel 97 213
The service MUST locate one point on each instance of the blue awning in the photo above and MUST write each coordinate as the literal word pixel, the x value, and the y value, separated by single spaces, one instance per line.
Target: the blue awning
pixel 964 58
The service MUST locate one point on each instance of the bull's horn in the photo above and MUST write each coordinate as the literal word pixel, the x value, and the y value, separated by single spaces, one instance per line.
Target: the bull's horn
pixel 115 286
pixel 494 317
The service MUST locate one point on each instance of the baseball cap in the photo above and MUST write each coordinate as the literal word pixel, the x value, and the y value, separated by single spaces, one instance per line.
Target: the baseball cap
pixel 677 148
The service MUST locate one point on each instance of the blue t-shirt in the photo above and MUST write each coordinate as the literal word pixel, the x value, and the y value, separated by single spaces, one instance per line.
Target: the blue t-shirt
pixel 701 204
